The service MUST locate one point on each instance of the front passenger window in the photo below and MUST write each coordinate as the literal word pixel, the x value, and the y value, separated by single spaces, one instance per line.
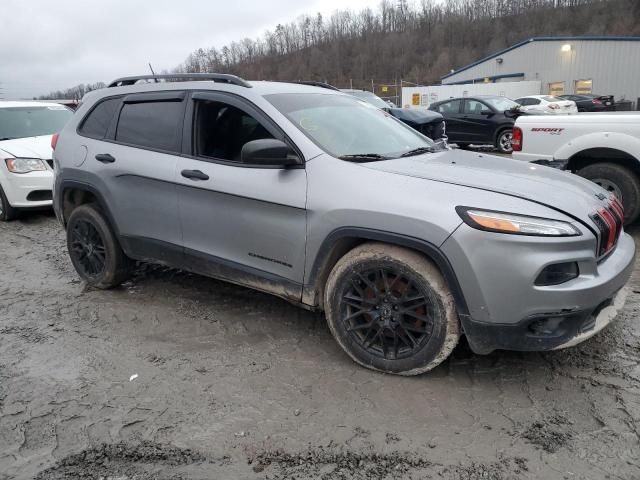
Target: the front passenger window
pixel 221 130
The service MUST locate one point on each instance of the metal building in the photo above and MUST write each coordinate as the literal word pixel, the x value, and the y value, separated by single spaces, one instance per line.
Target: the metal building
pixel 563 65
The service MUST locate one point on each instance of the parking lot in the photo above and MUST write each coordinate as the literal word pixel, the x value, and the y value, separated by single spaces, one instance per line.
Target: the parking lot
pixel 180 376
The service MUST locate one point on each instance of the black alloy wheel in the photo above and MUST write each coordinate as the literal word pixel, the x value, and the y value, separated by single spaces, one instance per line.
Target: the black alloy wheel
pixel 387 313
pixel 88 248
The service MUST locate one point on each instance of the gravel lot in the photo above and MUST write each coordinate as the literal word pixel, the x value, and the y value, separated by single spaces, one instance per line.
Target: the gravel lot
pixel 237 384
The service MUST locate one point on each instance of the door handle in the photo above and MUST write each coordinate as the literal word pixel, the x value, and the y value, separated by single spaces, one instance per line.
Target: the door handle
pixel 194 175
pixel 105 158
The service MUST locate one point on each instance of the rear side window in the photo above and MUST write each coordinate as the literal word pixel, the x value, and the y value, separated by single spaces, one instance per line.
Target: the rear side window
pixel 97 123
pixel 156 125
pixel 450 107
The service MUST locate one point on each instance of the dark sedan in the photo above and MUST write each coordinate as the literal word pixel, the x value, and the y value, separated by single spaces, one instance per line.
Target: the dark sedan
pixel 480 120
pixel 428 123
pixel 591 103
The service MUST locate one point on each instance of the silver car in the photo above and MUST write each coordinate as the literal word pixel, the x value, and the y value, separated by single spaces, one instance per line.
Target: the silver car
pixel 317 197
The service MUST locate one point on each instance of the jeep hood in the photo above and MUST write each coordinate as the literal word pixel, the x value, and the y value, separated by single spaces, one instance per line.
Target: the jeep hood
pixel 554 188
pixel 30 147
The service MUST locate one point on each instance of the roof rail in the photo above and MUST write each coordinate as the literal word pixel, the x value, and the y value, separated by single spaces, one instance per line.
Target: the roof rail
pixel 313 83
pixel 176 77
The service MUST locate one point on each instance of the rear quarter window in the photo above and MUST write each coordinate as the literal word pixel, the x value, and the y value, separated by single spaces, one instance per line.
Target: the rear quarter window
pixel 156 125
pixel 96 123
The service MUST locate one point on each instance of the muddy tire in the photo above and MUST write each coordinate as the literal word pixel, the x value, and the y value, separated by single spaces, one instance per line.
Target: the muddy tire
pixel 390 309
pixel 503 141
pixel 94 249
pixel 619 180
pixel 7 212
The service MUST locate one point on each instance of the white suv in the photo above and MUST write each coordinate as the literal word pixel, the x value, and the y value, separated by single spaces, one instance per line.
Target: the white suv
pixel 26 165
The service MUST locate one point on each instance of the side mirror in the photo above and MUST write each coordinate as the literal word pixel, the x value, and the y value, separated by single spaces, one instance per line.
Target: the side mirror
pixel 486 112
pixel 268 152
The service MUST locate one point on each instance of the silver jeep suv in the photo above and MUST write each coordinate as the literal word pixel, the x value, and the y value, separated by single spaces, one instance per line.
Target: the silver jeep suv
pixel 317 197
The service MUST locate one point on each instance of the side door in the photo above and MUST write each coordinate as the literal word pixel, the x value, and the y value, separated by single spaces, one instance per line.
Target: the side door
pixel 478 119
pixel 451 111
pixel 240 222
pixel 134 169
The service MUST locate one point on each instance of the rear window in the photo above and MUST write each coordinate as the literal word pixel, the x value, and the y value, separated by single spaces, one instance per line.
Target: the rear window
pixel 97 123
pixel 156 125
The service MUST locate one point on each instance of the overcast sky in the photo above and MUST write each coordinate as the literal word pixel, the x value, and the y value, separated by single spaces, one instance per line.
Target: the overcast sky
pixel 49 45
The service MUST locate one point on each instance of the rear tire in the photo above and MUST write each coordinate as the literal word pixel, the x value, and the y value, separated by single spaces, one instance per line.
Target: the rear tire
pixel 390 309
pixel 7 212
pixel 94 249
pixel 503 141
pixel 620 181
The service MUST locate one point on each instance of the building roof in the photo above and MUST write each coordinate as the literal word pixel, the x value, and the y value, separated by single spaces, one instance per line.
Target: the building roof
pixel 542 39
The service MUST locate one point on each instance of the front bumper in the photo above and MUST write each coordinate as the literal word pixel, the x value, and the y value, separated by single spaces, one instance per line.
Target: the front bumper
pixel 508 311
pixel 28 190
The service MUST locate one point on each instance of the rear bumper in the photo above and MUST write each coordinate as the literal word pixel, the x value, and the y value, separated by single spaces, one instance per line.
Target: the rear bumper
pixel 28 190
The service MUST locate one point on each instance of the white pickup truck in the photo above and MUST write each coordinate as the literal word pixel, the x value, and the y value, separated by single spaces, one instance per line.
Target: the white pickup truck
pixel 603 147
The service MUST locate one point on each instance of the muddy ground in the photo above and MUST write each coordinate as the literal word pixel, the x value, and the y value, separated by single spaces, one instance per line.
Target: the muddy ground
pixel 176 376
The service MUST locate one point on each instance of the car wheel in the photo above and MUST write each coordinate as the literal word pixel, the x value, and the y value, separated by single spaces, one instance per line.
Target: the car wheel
pixel 503 142
pixel 7 212
pixel 620 181
pixel 94 249
pixel 390 309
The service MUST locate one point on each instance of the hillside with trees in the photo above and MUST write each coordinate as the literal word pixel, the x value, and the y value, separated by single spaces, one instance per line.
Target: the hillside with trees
pixel 415 42
pixel 401 40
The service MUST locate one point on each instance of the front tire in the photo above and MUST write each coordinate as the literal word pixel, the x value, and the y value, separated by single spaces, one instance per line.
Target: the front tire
pixel 503 141
pixel 7 212
pixel 94 249
pixel 620 181
pixel 390 309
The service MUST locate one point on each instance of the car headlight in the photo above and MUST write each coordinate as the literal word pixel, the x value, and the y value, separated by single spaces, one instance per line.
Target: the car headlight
pixel 502 222
pixel 25 165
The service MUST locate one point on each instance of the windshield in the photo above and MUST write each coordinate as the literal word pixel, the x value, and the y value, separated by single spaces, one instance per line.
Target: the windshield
pixel 20 122
pixel 501 103
pixel 551 99
pixel 370 98
pixel 343 125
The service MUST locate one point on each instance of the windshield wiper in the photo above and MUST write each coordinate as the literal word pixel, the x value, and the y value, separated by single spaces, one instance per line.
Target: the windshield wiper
pixel 365 157
pixel 5 138
pixel 418 151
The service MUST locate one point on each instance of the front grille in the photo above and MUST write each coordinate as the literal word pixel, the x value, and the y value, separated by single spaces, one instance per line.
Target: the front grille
pixel 50 163
pixel 609 220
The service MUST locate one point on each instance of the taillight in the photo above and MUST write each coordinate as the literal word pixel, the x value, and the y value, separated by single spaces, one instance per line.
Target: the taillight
pixel 595 101
pixel 54 141
pixel 516 139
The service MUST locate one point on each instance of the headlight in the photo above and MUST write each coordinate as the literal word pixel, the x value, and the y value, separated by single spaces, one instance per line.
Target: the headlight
pixel 515 224
pixel 25 165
